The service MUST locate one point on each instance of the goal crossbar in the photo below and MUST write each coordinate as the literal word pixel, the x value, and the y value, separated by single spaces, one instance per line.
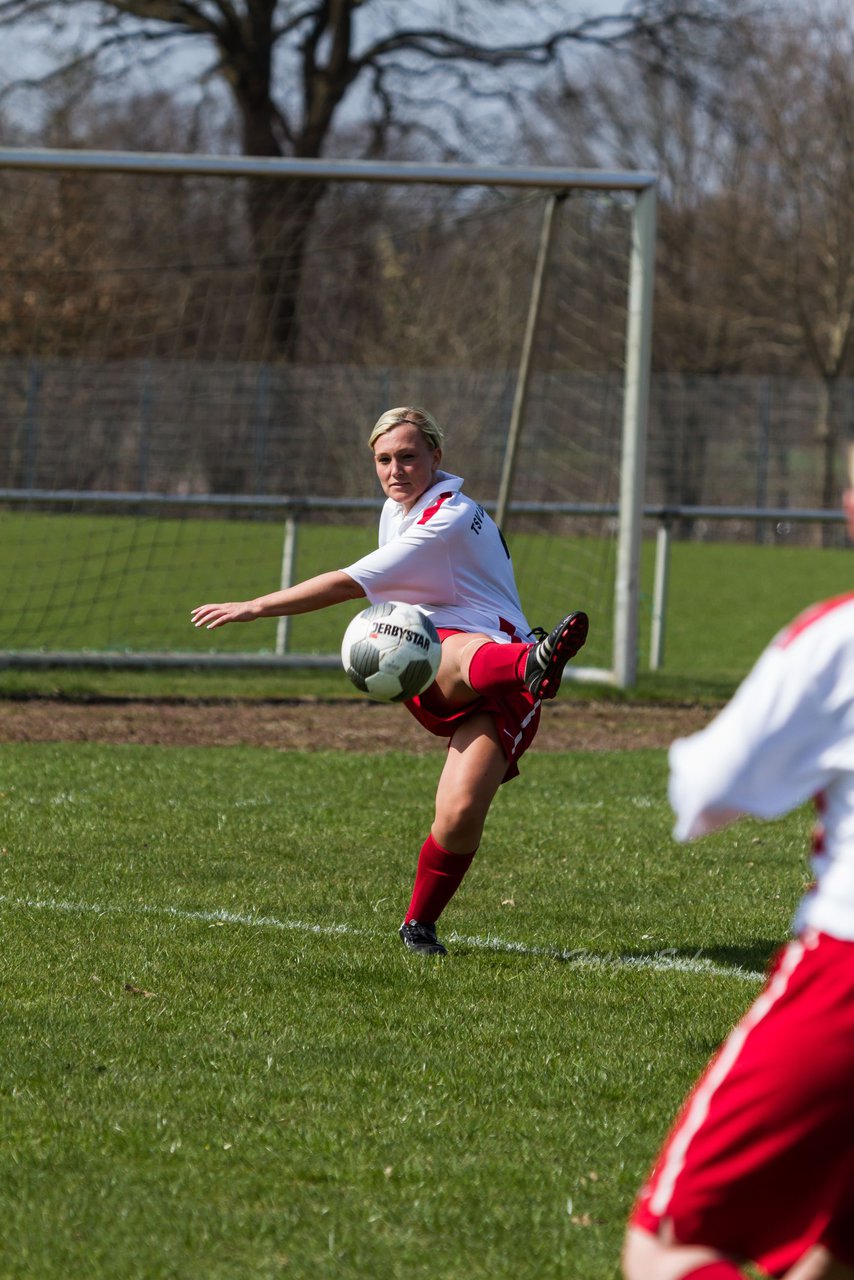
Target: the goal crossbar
pixel 211 166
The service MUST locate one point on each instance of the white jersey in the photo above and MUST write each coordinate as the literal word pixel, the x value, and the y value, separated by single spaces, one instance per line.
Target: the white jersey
pixel 786 736
pixel 447 556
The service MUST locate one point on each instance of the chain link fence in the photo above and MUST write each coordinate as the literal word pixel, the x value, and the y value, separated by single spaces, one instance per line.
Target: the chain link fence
pixel 180 428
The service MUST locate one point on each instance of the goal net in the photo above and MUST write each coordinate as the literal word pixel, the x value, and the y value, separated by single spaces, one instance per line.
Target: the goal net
pixel 195 350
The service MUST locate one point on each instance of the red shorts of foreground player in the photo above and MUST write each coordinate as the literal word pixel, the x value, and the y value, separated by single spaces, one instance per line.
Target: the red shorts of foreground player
pixel 760 1162
pixel 516 715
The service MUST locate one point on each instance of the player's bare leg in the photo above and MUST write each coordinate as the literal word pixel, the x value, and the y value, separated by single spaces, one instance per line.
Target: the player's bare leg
pixel 452 677
pixel 473 771
pixel 819 1265
pixel 647 1257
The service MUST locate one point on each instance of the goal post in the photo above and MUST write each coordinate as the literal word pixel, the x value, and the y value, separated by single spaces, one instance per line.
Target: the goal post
pixel 633 453
pixel 195 348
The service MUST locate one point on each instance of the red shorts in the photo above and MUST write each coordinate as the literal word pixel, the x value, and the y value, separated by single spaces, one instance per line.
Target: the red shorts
pixel 760 1161
pixel 516 716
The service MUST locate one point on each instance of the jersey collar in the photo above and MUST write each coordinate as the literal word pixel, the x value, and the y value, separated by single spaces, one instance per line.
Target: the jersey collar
pixel 443 483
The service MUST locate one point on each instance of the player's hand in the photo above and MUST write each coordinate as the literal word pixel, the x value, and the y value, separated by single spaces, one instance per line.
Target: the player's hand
pixel 217 615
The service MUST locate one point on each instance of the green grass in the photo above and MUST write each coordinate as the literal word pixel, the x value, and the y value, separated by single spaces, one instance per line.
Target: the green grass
pixel 217 1058
pixel 726 601
pixel 129 582
pixel 203 1076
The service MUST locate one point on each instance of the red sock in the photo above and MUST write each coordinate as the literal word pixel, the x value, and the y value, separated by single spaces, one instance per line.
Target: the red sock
pixel 720 1269
pixel 498 668
pixel 437 879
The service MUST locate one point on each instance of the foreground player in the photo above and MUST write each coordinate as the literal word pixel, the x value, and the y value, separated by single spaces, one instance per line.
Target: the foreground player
pixel 440 550
pixel 759 1166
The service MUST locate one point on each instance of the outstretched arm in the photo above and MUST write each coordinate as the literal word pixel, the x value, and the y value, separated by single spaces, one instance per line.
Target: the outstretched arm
pixel 315 593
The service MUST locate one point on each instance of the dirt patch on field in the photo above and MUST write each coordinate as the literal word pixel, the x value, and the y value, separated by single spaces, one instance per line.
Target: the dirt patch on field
pixel 309 725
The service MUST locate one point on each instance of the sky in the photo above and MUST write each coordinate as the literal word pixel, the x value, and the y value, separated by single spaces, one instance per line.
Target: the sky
pixel 27 50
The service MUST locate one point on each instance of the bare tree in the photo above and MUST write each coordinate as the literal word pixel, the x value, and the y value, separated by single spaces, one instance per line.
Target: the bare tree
pixel 293 66
pixel 755 261
pixel 677 122
pixel 799 205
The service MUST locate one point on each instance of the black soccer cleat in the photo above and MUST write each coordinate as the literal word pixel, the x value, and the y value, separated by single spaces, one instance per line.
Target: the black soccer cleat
pixel 547 659
pixel 421 938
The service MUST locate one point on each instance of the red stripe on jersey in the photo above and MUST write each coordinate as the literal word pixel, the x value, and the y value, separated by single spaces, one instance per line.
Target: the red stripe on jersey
pixel 507 628
pixel 814 614
pixel 430 511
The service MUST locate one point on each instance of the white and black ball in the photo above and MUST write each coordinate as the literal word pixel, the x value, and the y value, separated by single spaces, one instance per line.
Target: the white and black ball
pixel 391 651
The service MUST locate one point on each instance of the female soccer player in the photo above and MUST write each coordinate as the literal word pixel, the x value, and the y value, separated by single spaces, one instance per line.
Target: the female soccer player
pixel 759 1166
pixel 440 550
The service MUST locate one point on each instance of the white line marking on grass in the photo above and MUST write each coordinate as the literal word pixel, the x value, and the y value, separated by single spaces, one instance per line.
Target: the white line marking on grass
pixel 658 961
pixel 204 917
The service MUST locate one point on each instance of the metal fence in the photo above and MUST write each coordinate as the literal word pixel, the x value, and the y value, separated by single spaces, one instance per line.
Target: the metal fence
pixel 169 427
pixel 292 510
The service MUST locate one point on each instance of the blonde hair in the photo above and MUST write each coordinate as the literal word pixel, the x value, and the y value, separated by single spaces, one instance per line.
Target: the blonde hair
pixel 420 418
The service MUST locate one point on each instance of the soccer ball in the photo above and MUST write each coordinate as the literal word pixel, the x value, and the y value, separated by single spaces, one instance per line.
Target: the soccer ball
pixel 391 651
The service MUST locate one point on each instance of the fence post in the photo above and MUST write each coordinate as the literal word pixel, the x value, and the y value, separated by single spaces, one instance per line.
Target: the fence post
pixel 260 425
pixel 145 418
pixel 762 451
pixel 31 424
pixel 289 557
pixel 661 582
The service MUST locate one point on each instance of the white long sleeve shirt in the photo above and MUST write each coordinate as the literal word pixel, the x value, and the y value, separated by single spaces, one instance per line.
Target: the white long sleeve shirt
pixel 786 736
pixel 447 556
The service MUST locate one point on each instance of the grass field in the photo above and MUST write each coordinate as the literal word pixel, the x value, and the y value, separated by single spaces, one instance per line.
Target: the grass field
pixel 218 1060
pixel 118 583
